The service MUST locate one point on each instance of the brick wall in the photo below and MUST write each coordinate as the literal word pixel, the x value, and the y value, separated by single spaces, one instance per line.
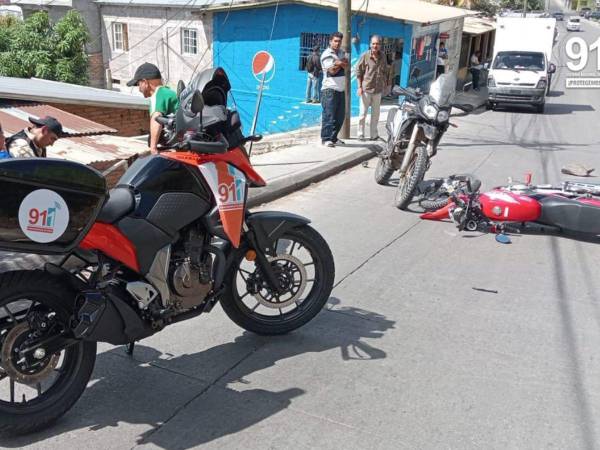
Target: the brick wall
pixel 113 177
pixel 96 70
pixel 127 122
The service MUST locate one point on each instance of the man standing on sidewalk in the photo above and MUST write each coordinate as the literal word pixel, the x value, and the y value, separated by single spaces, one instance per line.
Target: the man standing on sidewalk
pixel 334 63
pixel 371 73
pixel 313 82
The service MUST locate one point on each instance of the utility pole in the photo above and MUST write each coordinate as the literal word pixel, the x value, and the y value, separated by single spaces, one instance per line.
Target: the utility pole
pixel 344 25
pixel 524 8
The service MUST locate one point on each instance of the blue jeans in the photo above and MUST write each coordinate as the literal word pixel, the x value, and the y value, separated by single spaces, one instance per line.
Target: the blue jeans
pixel 334 108
pixel 313 87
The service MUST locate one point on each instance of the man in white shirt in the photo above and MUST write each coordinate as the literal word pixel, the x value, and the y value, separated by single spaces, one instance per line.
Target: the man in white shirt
pixel 334 63
pixel 476 69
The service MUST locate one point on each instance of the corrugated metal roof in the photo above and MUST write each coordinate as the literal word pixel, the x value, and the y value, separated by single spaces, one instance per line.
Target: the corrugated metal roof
pixel 67 3
pixel 89 149
pixel 165 3
pixel 478 25
pixel 15 118
pixel 35 89
pixel 415 11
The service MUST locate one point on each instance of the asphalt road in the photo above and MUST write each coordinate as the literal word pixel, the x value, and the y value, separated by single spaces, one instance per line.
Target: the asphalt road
pixel 431 339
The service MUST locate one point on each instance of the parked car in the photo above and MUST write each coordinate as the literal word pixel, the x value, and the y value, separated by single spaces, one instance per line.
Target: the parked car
pixel 559 16
pixel 574 24
pixel 595 15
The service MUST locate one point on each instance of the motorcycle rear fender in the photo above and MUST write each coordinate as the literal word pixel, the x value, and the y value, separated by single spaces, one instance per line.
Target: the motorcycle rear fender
pixel 268 226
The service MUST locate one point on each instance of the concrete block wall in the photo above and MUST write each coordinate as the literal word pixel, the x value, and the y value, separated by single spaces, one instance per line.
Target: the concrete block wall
pixel 127 122
pixel 154 35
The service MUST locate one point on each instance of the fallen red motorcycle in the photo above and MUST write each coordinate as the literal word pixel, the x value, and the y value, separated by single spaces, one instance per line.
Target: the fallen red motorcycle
pixel 571 209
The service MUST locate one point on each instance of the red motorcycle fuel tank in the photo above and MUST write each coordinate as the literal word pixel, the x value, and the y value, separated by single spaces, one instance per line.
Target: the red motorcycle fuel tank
pixel 505 206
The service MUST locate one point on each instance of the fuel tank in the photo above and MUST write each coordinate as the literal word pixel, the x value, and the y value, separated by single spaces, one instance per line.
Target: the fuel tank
pixel 505 206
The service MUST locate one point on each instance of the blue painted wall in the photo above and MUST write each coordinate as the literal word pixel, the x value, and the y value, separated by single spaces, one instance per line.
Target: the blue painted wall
pixel 239 35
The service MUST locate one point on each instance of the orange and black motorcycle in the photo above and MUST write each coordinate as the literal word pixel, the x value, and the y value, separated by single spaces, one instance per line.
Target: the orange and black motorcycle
pixel 168 243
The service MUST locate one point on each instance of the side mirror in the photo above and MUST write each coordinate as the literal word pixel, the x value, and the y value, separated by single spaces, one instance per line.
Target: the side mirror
pixel 486 66
pixel 197 103
pixel 551 68
pixel 180 88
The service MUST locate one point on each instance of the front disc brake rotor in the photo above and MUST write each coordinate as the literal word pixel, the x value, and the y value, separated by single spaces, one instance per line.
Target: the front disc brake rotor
pixel 21 370
pixel 285 275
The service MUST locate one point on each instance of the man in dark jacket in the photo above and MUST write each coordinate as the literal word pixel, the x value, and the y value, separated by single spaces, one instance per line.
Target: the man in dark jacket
pixel 32 142
pixel 313 83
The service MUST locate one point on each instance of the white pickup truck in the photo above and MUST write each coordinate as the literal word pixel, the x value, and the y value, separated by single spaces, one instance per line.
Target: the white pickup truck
pixel 521 70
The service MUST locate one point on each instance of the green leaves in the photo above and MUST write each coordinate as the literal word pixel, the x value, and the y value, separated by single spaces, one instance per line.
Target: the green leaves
pixel 37 48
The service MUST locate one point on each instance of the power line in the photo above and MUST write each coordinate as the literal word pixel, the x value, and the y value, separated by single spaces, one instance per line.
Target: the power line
pixel 190 2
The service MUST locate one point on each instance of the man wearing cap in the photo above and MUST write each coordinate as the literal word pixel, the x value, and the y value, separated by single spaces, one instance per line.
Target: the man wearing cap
pixel 163 100
pixel 32 142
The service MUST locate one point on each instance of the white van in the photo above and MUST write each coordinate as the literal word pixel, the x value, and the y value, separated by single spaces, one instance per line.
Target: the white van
pixel 574 24
pixel 521 71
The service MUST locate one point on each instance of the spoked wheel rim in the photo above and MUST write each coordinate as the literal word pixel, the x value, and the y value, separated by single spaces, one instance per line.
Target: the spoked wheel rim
pixel 298 269
pixel 28 383
pixel 403 180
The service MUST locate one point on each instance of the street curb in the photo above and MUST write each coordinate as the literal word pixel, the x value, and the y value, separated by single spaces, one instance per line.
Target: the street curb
pixel 285 185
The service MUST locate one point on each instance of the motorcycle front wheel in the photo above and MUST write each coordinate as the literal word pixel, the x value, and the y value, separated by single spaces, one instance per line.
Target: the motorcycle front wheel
pixel 407 184
pixel 38 389
pixel 305 269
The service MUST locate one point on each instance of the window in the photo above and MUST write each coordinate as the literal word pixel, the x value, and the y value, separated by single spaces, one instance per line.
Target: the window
pixel 189 41
pixel 307 42
pixel 120 37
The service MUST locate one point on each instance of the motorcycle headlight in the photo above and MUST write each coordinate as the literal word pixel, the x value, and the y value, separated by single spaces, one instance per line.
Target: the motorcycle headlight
pixel 443 116
pixel 542 83
pixel 430 111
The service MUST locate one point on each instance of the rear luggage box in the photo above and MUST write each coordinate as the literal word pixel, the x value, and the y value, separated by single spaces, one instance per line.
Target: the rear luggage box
pixel 47 206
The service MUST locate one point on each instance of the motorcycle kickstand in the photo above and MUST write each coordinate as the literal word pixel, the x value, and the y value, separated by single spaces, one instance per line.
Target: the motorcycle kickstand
pixel 129 348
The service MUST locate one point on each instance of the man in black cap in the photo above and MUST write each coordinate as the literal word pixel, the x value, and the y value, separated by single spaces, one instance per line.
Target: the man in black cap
pixel 163 100
pixel 32 141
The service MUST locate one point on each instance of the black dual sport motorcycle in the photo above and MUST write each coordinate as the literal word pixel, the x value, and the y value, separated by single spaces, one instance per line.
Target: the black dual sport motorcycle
pixel 172 240
pixel 415 130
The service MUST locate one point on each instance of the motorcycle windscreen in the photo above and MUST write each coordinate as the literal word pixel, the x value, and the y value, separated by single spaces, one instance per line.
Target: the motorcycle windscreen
pixel 228 185
pixel 442 90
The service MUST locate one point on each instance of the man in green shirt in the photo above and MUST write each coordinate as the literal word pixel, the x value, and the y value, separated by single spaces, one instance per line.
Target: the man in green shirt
pixel 163 100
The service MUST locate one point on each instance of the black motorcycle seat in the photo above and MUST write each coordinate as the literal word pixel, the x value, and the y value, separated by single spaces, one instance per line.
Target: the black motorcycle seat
pixel 570 215
pixel 120 203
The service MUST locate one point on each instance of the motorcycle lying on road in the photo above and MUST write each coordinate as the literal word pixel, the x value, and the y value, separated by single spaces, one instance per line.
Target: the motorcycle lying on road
pixel 571 210
pixel 414 131
pixel 173 239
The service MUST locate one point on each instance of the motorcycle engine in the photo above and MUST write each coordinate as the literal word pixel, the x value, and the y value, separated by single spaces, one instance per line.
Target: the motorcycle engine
pixel 190 275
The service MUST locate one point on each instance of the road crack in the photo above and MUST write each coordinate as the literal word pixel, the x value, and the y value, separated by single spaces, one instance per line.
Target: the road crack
pixel 366 261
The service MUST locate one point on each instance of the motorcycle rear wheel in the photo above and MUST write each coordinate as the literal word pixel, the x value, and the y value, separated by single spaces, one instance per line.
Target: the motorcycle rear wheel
pixel 383 171
pixel 57 380
pixel 407 185
pixel 263 312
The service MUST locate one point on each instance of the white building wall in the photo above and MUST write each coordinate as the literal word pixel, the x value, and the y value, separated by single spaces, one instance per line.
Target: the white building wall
pixel 155 36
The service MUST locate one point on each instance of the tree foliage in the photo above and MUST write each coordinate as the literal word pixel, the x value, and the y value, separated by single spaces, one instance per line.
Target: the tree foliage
pixel 37 48
pixel 532 5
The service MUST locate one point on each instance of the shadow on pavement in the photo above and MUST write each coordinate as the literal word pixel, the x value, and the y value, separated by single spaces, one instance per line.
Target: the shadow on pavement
pixel 125 390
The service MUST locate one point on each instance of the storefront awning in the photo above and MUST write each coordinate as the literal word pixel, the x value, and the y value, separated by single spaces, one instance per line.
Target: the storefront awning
pixel 478 25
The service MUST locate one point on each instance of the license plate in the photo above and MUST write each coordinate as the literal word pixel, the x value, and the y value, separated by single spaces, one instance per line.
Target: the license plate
pixel 514 91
